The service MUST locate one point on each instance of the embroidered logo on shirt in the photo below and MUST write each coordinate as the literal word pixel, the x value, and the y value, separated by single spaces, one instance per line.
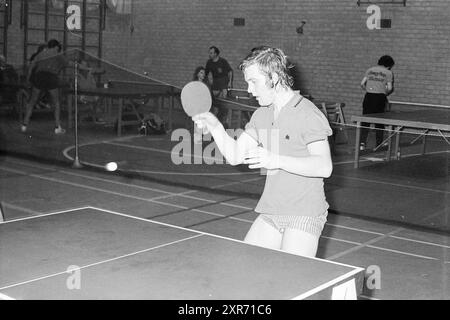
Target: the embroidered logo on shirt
pixel 287 137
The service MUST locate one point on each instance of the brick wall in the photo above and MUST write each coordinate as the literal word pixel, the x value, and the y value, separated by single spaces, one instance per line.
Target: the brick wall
pixel 172 37
pixel 15 37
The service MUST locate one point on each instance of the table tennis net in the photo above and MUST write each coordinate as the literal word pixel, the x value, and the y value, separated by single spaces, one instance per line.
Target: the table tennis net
pixel 92 72
pixel 105 73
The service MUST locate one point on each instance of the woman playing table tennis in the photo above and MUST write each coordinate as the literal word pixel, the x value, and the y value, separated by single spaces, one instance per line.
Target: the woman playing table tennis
pixel 288 136
pixel 44 77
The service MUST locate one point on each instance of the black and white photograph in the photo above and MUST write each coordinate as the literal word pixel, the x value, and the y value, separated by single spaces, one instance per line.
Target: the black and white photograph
pixel 224 156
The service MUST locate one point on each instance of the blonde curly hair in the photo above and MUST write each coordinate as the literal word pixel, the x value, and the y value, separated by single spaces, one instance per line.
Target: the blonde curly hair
pixel 270 61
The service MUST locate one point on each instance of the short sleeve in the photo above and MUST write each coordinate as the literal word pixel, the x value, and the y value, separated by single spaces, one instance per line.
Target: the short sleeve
pixel 228 67
pixel 258 121
pixel 316 128
pixel 251 128
pixel 389 77
pixel 207 67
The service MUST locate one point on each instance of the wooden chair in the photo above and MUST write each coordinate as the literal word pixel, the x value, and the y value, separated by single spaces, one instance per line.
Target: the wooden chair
pixel 335 115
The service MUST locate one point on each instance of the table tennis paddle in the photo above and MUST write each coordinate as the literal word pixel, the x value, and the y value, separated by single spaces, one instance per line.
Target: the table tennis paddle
pixel 195 98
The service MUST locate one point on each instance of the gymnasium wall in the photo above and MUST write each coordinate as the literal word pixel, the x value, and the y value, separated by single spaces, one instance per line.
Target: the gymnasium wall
pixel 170 38
pixel 331 55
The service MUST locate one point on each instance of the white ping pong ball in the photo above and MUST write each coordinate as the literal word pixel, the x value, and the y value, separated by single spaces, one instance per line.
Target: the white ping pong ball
pixel 111 166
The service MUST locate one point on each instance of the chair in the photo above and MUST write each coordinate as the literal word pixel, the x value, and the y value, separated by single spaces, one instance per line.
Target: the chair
pixel 335 115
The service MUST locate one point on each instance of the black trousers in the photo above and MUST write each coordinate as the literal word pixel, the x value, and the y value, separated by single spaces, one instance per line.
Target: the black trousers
pixel 373 103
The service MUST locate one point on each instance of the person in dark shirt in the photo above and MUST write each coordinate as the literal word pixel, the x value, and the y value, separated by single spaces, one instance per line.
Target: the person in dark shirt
pixel 378 82
pixel 220 78
pixel 219 73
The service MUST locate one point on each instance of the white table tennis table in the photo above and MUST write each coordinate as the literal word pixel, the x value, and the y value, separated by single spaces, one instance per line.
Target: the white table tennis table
pixel 425 121
pixel 91 253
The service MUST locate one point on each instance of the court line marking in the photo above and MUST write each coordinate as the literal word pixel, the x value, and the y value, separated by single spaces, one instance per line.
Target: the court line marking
pixel 210 234
pixel 195 231
pixel 199 233
pixel 354 270
pixel 240 241
pixel 357 244
pixel 237 182
pixel 168 193
pixel 83 186
pixel 100 262
pixel 66 154
pixel 186 194
pixel 202 211
pixel 341 240
pixel 371 159
pixel 162 191
pixel 68 149
pixel 42 215
pixel 391 184
pixel 422 242
pixel 369 243
pixel 176 194
pixel 114 142
pixel 165 203
pixel 225 204
pixel 361 245
pixel 402 252
pixel 354 229
pixel 159 150
pixel 154 139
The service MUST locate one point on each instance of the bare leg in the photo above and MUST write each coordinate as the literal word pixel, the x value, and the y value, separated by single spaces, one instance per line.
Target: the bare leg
pixel 54 98
pixel 35 95
pixel 300 242
pixel 263 234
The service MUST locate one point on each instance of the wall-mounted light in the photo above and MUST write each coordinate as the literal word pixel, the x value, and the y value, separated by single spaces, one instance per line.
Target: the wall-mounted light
pixel 300 28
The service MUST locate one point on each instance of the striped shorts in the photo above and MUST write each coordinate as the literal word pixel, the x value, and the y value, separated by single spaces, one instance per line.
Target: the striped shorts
pixel 312 225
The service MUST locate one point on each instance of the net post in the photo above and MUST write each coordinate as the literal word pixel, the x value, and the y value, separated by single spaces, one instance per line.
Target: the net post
pixel 76 160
